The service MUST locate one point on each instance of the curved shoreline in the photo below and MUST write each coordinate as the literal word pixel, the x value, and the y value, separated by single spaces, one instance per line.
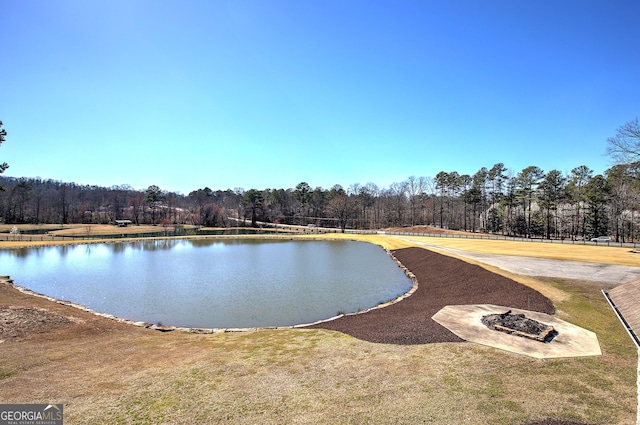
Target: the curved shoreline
pixel 443 281
pixel 438 281
pixel 167 328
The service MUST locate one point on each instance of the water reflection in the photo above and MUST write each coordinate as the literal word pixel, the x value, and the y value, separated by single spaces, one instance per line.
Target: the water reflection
pixel 213 283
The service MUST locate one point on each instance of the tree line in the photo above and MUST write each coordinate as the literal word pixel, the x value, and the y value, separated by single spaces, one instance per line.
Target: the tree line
pixel 527 203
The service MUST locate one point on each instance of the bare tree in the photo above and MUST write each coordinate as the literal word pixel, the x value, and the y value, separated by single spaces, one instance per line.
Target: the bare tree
pixel 624 147
pixel 368 196
pixel 415 188
pixel 624 190
pixel 398 193
pixel 341 206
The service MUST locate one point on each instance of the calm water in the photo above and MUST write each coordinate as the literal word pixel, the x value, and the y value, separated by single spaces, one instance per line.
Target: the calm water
pixel 213 284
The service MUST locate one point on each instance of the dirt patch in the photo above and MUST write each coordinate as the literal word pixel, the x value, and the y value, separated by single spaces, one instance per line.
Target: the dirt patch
pixel 23 315
pixel 19 322
pixel 442 281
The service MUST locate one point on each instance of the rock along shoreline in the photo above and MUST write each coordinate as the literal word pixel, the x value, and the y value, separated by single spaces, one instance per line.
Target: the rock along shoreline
pixel 6 280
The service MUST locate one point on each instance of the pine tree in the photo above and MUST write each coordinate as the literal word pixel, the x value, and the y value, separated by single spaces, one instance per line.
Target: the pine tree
pixel 4 165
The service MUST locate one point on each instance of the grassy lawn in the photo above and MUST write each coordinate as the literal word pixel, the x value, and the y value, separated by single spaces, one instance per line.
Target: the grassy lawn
pixel 108 373
pixel 86 229
pixel 26 227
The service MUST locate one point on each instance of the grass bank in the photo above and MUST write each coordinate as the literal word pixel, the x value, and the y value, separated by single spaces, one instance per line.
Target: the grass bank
pixel 108 373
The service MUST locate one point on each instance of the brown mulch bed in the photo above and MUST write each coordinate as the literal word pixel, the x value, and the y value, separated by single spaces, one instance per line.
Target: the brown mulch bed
pixel 442 281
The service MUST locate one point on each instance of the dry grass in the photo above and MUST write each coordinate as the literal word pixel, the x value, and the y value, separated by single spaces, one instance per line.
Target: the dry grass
pixel 106 229
pixel 108 373
pixel 302 376
pixel 558 251
pixel 87 229
pixel 26 227
pixel 387 242
pixel 92 233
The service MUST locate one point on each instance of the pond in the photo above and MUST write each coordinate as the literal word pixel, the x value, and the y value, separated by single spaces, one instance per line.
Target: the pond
pixel 208 283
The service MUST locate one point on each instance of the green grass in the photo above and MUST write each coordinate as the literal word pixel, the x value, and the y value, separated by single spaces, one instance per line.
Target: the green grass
pixel 4 373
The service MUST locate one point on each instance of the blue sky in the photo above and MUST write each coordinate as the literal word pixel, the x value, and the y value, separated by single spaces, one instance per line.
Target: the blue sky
pixel 266 94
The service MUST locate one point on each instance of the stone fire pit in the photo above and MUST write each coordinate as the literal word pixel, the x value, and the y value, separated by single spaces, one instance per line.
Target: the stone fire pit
pixel 466 321
pixel 520 325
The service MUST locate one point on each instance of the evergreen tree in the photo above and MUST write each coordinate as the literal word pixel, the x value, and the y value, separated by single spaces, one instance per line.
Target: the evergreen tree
pixel 579 178
pixel 551 189
pixel 527 185
pixel 153 197
pixel 3 165
pixel 597 193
